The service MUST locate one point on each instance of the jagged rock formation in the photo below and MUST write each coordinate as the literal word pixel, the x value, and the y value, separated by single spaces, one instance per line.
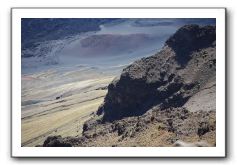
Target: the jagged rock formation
pixel 55 141
pixel 155 128
pixel 161 99
pixel 168 78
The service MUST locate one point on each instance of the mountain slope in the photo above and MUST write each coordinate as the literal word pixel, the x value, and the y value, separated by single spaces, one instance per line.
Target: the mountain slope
pixel 164 79
pixel 156 100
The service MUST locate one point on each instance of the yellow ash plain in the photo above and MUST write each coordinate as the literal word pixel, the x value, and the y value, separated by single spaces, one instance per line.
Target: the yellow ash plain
pixel 58 103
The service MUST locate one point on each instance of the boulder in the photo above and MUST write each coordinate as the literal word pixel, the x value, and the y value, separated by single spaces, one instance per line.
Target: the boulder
pixel 56 141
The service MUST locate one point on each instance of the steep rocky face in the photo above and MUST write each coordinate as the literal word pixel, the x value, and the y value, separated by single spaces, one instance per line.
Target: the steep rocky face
pixel 191 38
pixel 166 79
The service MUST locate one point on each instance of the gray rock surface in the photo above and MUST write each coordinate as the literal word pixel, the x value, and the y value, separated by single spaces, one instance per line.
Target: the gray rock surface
pixel 167 79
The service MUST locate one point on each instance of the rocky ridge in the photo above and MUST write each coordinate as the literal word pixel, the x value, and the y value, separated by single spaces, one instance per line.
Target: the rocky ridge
pixel 167 79
pixel 149 104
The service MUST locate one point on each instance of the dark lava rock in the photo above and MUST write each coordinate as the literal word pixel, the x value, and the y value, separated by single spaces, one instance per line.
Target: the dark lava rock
pixel 203 128
pixel 155 80
pixel 56 141
pixel 89 124
pixel 190 38
pixel 119 127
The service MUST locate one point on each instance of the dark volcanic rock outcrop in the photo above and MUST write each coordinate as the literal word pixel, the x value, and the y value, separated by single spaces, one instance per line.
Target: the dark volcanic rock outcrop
pixel 56 141
pixel 191 38
pixel 166 79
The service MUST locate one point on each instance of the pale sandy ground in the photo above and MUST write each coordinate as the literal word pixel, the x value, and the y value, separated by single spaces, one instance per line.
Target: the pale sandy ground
pixel 44 115
pixel 204 100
